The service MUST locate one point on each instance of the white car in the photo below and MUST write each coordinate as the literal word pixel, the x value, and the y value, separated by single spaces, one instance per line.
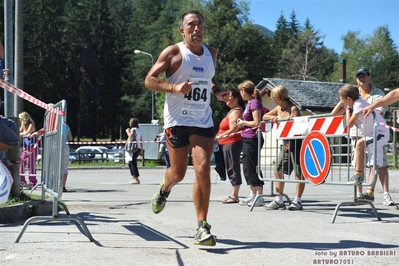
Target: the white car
pixel 94 152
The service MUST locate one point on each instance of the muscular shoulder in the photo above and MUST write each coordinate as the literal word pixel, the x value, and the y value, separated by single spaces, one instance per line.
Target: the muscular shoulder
pixel 171 55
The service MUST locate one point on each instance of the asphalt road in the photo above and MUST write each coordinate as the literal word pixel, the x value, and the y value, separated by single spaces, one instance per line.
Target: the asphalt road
pixel 127 232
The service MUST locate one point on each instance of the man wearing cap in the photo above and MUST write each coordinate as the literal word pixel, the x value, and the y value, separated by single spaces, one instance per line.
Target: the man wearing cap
pixel 372 94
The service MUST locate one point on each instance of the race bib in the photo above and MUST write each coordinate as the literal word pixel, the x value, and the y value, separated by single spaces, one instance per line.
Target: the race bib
pixel 196 101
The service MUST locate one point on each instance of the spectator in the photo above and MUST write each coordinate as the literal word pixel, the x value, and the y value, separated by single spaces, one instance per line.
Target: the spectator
pixel 372 95
pixel 162 139
pixel 230 143
pixel 352 105
pixel 249 125
pixel 288 160
pixel 29 153
pixel 65 161
pixel 220 166
pixel 8 138
pixel 134 129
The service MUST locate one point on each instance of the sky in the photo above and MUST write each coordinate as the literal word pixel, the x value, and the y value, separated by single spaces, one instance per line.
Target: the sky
pixel 333 18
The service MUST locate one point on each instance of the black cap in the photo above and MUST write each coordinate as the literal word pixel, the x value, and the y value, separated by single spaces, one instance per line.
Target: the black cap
pixel 363 71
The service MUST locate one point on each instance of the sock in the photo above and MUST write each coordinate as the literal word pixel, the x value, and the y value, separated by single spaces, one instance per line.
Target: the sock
pixel 297 199
pixel 253 196
pixel 200 223
pixel 280 198
pixel 370 192
pixel 359 173
pixel 163 193
pixel 386 193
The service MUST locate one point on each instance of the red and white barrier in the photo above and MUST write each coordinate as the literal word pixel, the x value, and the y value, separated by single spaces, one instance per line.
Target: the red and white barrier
pixel 330 126
pixel 295 127
pixel 301 126
pixel 20 93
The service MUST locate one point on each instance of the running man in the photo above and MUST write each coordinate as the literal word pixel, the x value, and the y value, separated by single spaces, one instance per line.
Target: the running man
pixel 189 67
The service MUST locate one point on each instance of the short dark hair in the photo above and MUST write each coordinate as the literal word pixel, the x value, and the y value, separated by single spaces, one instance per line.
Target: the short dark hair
pixel 195 12
pixel 349 90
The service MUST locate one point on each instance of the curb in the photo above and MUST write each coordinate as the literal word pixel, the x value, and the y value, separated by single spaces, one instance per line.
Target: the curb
pixel 24 211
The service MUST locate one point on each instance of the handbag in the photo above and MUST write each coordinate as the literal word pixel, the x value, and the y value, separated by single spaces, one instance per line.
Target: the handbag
pixel 131 144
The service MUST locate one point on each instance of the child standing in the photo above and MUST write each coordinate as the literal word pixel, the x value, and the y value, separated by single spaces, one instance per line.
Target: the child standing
pixel 352 105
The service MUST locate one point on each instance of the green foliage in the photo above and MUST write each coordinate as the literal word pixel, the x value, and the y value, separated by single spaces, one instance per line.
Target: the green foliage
pixel 282 35
pixel 294 25
pixel 150 30
pixel 79 61
pixel 43 60
pixel 378 53
pixel 305 57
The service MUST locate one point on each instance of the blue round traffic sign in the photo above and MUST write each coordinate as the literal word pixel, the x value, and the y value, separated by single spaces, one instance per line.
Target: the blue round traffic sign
pixel 315 157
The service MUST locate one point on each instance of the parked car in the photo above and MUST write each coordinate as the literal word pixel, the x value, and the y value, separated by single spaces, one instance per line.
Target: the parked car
pixel 117 154
pixel 94 153
pixel 72 157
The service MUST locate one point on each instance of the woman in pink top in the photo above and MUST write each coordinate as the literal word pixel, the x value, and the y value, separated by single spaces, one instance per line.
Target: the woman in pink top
pixel 231 143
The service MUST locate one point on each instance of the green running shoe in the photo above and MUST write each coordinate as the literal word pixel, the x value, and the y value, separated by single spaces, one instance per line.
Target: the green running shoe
pixel 158 201
pixel 203 235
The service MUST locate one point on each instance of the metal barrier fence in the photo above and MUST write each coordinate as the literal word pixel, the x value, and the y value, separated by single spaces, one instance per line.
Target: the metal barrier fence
pixel 52 172
pixel 319 145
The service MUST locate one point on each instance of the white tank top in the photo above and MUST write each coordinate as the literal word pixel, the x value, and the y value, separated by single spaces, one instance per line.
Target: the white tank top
pixel 192 109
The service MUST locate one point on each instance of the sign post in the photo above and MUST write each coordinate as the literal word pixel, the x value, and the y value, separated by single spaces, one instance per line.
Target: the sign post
pixel 315 157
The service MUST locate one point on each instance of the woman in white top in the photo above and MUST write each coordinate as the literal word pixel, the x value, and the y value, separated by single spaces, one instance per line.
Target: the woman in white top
pixel 134 129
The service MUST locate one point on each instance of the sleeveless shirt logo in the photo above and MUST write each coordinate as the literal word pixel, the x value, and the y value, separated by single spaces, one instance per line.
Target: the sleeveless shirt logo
pixel 198 69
